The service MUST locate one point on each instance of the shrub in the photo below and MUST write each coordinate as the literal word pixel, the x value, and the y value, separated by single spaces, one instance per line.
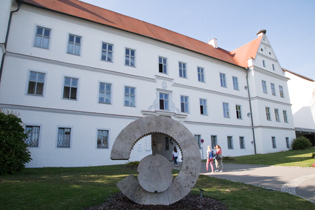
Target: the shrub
pixel 13 150
pixel 301 143
pixel 133 164
pixel 313 155
pixel 228 158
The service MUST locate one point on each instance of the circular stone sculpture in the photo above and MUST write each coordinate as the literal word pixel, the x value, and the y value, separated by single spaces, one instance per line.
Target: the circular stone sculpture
pixel 155 173
pixel 186 178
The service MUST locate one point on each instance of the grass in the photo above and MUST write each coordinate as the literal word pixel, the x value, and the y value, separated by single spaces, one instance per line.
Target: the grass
pixel 78 188
pixel 288 158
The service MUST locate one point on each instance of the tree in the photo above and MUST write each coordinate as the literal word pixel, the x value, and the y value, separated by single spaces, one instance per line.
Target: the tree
pixel 13 149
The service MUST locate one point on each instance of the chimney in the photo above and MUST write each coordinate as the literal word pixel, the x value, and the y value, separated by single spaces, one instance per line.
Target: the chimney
pixel 261 32
pixel 213 42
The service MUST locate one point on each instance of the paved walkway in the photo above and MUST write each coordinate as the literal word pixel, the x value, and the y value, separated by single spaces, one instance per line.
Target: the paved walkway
pixel 294 180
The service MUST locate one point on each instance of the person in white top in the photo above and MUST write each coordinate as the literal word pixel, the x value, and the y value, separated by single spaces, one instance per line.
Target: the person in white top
pixel 175 155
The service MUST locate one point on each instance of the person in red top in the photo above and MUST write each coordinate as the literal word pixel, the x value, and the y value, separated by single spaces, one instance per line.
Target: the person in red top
pixel 218 160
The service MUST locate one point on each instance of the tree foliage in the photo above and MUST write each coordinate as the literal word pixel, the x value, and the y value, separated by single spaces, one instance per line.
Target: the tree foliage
pixel 13 149
pixel 301 143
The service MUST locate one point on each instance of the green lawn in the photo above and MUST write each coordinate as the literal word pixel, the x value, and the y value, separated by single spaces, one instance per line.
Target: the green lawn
pixel 77 188
pixel 288 158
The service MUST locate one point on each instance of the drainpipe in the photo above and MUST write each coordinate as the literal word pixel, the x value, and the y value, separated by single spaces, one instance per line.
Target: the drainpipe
pixel 19 2
pixel 250 108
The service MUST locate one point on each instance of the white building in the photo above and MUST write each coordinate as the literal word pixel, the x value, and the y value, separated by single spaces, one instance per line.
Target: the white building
pixel 303 104
pixel 78 74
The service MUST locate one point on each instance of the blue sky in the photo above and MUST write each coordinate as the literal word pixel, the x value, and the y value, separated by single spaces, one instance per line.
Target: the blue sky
pixel 290 24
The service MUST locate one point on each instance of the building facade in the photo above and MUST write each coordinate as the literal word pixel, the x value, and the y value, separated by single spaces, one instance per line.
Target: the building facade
pixel 78 74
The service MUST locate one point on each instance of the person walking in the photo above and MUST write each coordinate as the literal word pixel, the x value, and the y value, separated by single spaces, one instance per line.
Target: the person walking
pixel 175 155
pixel 218 159
pixel 210 156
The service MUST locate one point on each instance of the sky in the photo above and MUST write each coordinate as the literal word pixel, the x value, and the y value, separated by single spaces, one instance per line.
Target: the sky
pixel 290 24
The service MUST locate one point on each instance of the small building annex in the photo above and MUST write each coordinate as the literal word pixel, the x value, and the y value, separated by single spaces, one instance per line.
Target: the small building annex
pixel 78 74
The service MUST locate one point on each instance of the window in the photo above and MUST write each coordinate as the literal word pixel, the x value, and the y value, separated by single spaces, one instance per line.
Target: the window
pixel 230 142
pixel 105 93
pixel 164 101
pixel 222 80
pixel 274 145
pixel 285 117
pixel 214 141
pixel 33 136
pixel 203 106
pixel 273 90
pixel 70 88
pixel 273 67
pixel 42 37
pixel 268 113
pixel 36 83
pixel 281 91
pixel 242 143
pixel 130 96
pixel 182 70
pixel 102 139
pixel 184 104
pixel 107 52
pixel 226 110
pixel 277 115
pixel 198 138
pixel 74 44
pixel 64 137
pixel 235 83
pixel 264 86
pixel 162 65
pixel 167 143
pixel 201 76
pixel 130 57
pixel 238 112
pixel 264 63
pixel 287 142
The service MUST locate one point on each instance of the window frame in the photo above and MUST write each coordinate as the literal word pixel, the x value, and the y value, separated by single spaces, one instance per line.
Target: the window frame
pixel 99 92
pixel 107 52
pixel 135 94
pixel 238 112
pixel 164 66
pixel 274 142
pixel 273 67
pixel 182 67
pixel 108 135
pixel 281 91
pixel 198 140
pixel 285 116
pixel 163 99
pixel 264 86
pixel 287 141
pixel 273 89
pixel 223 80
pixel 230 144
pixel 70 139
pixel 264 63
pixel 214 141
pixel 201 74
pixel 235 83
pixel 63 88
pixel 226 114
pixel 130 57
pixel 185 103
pixel 75 38
pixel 39 134
pixel 277 116
pixel 242 142
pixel 268 115
pixel 35 34
pixel 203 107
pixel 28 80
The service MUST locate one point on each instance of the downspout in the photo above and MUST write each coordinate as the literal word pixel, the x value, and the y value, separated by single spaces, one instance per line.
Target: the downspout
pixel 19 2
pixel 251 112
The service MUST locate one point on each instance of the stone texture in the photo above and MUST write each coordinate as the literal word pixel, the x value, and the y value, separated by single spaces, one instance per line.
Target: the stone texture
pixel 155 173
pixel 187 176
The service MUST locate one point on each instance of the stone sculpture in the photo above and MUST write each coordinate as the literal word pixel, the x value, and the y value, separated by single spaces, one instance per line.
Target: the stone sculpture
pixel 156 185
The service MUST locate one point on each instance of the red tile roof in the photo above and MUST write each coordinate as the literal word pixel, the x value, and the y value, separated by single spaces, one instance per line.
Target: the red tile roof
pixel 106 17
